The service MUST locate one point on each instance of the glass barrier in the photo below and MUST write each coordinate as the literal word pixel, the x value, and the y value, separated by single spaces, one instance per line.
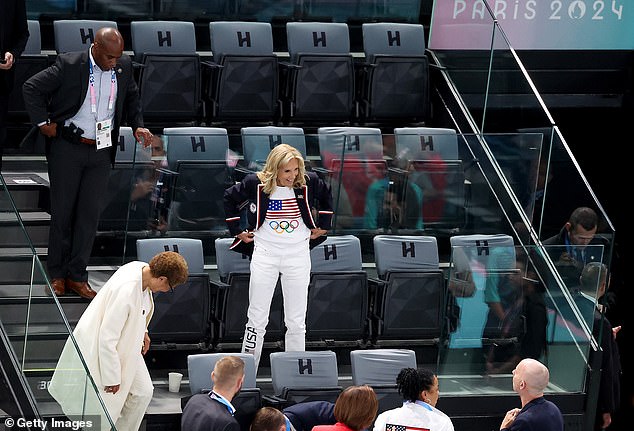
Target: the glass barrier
pixel 506 313
pixel 37 323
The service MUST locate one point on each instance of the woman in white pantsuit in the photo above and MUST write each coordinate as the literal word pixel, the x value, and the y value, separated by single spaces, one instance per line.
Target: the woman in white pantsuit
pixel 288 212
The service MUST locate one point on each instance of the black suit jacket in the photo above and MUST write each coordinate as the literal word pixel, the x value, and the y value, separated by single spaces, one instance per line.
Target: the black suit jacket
pixel 14 32
pixel 56 93
pixel 203 413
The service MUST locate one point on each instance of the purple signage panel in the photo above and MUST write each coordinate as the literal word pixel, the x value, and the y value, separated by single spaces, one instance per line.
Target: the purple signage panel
pixel 533 24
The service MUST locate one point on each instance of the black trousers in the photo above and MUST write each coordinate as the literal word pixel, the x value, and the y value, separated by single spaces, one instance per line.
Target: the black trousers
pixel 78 176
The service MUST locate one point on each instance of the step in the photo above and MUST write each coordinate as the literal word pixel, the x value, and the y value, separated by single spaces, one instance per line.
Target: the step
pixel 30 192
pixel 36 224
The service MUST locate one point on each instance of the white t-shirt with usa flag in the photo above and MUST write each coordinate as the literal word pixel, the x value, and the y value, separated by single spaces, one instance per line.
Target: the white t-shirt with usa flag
pixel 283 226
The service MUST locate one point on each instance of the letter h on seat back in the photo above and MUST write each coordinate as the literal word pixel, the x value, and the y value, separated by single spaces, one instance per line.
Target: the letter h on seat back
pixel 320 79
pixel 169 81
pixel 305 376
pixel 243 83
pixel 182 316
pixel 337 294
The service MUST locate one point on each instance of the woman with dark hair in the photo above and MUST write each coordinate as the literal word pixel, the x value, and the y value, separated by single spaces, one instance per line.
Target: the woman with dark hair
pixel 355 410
pixel 419 388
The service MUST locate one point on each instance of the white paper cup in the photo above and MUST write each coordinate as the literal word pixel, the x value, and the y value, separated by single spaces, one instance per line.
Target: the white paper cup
pixel 174 382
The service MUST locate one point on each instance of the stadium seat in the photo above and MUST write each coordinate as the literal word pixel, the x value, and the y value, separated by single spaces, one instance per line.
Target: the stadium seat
pixel 191 249
pixel 243 83
pixel 129 151
pixel 352 162
pixel 320 77
pixel 396 78
pixel 338 297
pixel 476 260
pixel 410 298
pixel 77 34
pixel 197 201
pixel 378 368
pixel 257 142
pixel 169 80
pixel 231 295
pixel 195 144
pixel 305 376
pixel 427 160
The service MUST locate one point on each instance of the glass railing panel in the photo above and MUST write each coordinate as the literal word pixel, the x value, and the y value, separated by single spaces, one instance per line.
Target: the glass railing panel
pixel 38 324
pixel 506 314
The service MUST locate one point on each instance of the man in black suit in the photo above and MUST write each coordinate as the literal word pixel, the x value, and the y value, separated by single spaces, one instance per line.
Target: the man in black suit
pixel 78 104
pixel 530 379
pixel 214 411
pixel 14 32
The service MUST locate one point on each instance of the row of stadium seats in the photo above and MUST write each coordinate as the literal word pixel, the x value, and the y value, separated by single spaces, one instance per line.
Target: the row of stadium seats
pixel 410 301
pixel 305 376
pixel 245 80
pixel 352 160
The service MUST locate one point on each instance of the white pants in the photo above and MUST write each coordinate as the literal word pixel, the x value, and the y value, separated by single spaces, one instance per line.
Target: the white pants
pixel 266 267
pixel 137 400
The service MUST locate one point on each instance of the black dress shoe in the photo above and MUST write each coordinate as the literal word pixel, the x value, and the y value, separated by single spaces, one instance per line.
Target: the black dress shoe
pixel 82 288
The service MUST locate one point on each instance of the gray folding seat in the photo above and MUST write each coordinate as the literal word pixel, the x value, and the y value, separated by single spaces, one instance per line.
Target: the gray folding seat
pixel 258 141
pixel 77 34
pixel 320 79
pixel 410 298
pixel 243 84
pixel 305 376
pixel 378 368
pixel 396 79
pixel 169 80
pixel 338 296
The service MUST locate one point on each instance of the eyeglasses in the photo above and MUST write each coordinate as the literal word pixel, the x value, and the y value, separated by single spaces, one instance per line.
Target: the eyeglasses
pixel 170 285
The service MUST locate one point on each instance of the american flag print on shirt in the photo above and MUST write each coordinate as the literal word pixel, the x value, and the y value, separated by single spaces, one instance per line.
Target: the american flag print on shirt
pixel 283 209
pixel 391 427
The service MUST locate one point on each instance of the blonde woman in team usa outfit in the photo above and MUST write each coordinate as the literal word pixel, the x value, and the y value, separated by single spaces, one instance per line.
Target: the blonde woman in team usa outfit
pixel 288 212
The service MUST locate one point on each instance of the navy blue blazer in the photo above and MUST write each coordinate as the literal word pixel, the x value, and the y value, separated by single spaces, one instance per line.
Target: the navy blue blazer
pixel 248 195
pixel 538 415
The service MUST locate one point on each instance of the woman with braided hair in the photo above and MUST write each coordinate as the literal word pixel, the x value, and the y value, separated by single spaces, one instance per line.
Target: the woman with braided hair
pixel 419 388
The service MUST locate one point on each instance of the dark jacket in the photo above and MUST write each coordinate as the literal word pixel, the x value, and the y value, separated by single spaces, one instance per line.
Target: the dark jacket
pixel 202 413
pixel 610 383
pixel 314 201
pixel 14 33
pixel 57 93
pixel 538 415
pixel 304 416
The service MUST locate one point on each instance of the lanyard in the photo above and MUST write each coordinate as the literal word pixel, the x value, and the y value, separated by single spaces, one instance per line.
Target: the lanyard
pixel 223 401
pixel 93 97
pixel 420 403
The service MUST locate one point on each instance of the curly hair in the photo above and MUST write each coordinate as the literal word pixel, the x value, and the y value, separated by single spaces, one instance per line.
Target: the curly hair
pixel 411 382
pixel 279 156
pixel 171 265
